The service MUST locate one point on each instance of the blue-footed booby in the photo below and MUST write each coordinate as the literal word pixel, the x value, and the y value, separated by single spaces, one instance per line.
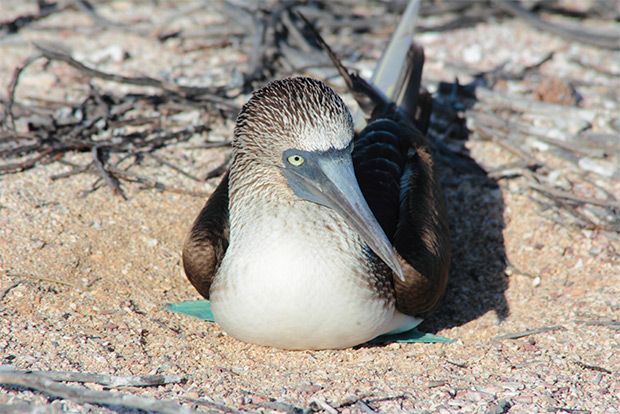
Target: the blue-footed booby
pixel 317 238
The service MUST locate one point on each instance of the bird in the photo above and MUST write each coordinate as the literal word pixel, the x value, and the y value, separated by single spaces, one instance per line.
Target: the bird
pixel 318 237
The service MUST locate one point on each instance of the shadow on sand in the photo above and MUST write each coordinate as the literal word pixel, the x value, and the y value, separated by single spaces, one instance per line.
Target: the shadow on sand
pixel 477 281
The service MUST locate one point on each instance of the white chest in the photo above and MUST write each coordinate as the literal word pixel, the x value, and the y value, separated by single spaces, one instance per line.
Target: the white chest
pixel 295 284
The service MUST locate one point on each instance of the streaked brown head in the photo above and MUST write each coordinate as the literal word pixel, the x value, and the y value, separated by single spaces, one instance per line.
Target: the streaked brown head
pixel 299 113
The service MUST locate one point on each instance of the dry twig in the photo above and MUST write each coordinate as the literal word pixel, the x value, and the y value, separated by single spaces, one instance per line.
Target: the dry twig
pixel 7 289
pixel 55 53
pixel 522 334
pixel 111 181
pixel 109 381
pixel 323 405
pixel 45 9
pixel 8 120
pixel 83 395
pixel 580 34
pixel 593 367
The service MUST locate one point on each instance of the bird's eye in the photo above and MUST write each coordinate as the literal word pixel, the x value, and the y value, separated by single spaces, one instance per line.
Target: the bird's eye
pixel 295 160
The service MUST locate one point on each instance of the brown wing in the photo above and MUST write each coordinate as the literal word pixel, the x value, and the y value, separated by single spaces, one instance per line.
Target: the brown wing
pixel 395 172
pixel 207 241
pixel 422 236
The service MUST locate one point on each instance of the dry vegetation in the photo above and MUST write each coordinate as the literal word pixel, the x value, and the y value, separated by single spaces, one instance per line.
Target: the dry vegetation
pixel 116 121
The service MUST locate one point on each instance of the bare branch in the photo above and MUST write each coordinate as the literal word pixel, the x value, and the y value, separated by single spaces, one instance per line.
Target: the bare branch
pixel 85 396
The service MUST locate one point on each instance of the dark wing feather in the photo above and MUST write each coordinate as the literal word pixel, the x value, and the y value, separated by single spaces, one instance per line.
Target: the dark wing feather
pixel 207 241
pixel 379 161
pixel 395 172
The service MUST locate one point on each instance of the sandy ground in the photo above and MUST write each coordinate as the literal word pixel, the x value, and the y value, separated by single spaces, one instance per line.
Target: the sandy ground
pixel 94 272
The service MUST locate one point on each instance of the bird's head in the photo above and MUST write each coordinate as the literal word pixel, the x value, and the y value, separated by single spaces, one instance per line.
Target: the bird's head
pixel 294 113
pixel 303 128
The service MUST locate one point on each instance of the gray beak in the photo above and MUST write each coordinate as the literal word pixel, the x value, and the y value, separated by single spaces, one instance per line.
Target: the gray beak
pixel 327 178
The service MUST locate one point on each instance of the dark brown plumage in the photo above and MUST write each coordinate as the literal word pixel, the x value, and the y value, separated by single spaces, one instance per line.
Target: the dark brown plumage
pixel 207 241
pixel 396 173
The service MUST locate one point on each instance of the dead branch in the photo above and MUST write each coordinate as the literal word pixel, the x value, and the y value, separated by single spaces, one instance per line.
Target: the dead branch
pixel 172 166
pixel 21 275
pixel 45 10
pixel 8 121
pixel 608 323
pixel 589 36
pixel 74 171
pixel 111 181
pixel 321 404
pixel 572 197
pixel 206 402
pixel 54 53
pixel 87 8
pixel 83 395
pixel 150 183
pixel 529 332
pixel 593 367
pixel 7 289
pixel 29 163
pixel 109 381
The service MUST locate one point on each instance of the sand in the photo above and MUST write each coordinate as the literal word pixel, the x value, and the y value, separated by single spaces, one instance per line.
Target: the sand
pixel 89 275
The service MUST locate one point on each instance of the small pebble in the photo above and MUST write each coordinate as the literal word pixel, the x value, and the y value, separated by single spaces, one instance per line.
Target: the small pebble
pixel 472 54
pixel 501 407
pixel 601 167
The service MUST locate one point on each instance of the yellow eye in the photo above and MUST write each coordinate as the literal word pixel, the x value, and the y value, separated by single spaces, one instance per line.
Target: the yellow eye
pixel 296 160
